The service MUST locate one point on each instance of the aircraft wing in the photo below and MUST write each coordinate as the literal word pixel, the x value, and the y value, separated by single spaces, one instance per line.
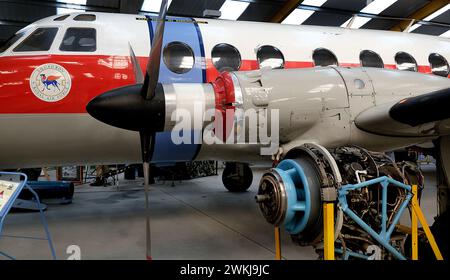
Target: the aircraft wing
pixel 419 116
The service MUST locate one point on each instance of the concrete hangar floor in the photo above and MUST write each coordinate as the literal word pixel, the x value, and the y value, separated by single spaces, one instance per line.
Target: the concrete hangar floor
pixel 196 219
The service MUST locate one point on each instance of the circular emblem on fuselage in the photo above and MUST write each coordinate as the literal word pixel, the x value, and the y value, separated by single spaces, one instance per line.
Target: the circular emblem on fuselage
pixel 50 82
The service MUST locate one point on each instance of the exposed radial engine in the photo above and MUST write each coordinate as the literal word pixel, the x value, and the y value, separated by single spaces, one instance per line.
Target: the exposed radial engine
pixel 292 194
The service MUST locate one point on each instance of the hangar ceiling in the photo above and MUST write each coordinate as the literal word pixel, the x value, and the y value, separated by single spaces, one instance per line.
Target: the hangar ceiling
pixel 370 14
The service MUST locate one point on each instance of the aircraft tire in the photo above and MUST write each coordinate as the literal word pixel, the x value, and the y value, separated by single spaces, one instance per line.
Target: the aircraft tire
pixel 237 177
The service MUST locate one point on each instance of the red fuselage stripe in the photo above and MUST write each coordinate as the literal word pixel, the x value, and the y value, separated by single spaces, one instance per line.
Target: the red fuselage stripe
pixel 91 75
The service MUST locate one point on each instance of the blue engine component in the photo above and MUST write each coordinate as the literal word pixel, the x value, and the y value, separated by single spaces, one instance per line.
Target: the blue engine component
pixel 284 196
pixel 297 194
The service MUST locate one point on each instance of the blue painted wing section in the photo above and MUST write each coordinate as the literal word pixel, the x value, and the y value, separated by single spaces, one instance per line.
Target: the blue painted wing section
pixel 183 30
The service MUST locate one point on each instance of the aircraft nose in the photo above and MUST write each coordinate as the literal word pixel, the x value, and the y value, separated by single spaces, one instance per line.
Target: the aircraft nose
pixel 125 108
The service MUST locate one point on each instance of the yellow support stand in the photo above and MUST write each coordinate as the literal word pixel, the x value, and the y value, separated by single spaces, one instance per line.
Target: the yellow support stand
pixel 277 244
pixel 328 226
pixel 419 215
pixel 414 228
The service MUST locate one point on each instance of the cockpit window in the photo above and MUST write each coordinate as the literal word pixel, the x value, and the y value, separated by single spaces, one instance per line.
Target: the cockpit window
pixel 84 17
pixel 79 40
pixel 61 18
pixel 40 40
pixel 11 41
pixel 324 57
pixel 405 62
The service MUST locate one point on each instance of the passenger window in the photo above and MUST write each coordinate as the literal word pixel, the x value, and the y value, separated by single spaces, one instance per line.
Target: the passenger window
pixel 225 57
pixel 11 41
pixel 324 57
pixel 270 56
pixel 61 18
pixel 178 57
pixel 40 40
pixel 405 62
pixel 370 59
pixel 439 65
pixel 84 17
pixel 79 40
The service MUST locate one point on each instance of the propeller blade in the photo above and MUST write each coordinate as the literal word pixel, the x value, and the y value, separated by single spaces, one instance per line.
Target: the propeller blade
pixel 148 93
pixel 146 146
pixel 138 75
pixel 139 107
pixel 154 60
pixel 148 239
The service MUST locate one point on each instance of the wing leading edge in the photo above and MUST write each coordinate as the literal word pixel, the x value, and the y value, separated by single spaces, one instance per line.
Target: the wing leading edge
pixel 419 116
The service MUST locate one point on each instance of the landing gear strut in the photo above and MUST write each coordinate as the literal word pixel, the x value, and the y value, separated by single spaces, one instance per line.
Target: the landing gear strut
pixel 237 177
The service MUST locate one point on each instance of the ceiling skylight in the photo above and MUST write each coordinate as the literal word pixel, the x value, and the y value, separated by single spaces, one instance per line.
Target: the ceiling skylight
pixel 70 10
pixel 431 17
pixel 153 5
pixel 232 10
pixel 298 16
pixel 375 7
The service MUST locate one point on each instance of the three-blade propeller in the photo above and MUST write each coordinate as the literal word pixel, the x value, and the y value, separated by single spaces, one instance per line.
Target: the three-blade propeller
pixel 139 107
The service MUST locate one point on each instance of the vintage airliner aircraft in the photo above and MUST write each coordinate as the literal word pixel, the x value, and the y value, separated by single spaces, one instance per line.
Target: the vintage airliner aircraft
pixel 75 88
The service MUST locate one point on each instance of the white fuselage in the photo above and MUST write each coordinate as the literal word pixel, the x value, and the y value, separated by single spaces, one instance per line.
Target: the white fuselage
pixel 36 132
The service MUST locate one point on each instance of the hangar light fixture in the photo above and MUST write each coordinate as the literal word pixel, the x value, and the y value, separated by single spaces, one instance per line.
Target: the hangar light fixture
pixel 431 17
pixel 232 10
pixel 70 10
pixel 298 16
pixel 375 7
pixel 153 5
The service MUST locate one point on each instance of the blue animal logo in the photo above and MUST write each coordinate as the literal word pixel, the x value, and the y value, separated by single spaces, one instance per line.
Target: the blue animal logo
pixel 50 81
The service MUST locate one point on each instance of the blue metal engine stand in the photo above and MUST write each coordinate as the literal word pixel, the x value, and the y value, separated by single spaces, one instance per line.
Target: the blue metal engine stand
pixel 17 178
pixel 384 236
